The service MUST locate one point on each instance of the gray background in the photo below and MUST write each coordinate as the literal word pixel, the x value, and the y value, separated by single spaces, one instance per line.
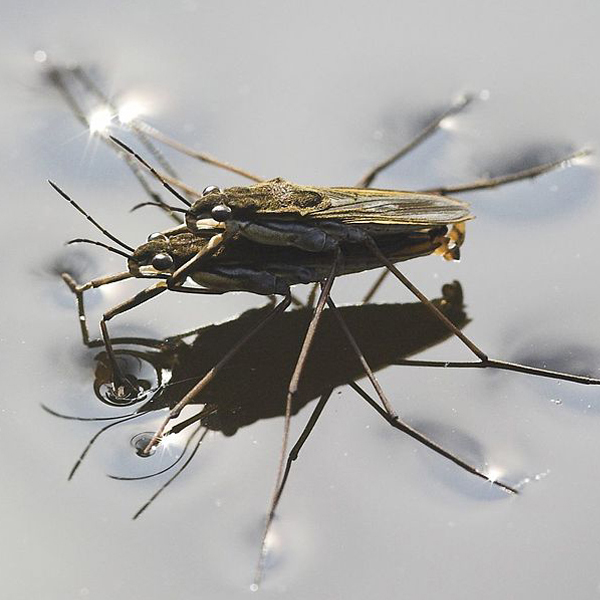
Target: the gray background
pixel 315 92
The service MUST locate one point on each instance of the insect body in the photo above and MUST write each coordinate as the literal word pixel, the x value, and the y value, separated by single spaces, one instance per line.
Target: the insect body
pixel 280 213
pixel 244 265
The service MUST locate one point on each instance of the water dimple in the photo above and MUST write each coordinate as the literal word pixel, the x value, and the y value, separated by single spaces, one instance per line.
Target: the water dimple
pixel 140 442
pixel 125 394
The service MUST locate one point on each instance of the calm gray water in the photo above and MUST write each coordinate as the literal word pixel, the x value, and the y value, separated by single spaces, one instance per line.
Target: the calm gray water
pixel 314 92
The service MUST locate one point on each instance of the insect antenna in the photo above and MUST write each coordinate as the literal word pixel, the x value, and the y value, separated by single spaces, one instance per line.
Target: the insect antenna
pixel 151 169
pixel 96 243
pixel 95 437
pixel 60 415
pixel 90 218
pixel 160 205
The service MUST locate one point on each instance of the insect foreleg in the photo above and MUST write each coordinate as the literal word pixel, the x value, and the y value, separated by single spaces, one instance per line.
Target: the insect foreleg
pixel 78 290
pixel 121 384
pixel 211 247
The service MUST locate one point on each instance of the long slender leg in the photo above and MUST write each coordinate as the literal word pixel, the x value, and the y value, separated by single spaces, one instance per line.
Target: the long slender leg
pixel 95 437
pixel 122 387
pixel 425 133
pixel 144 131
pixel 439 315
pixel 201 156
pixel 501 365
pixel 90 85
pixel 189 397
pixel 291 395
pixel 361 357
pixel 146 294
pixel 79 290
pixel 56 77
pixel 292 456
pixel 532 172
pixel 295 451
pixel 164 469
pixel 483 184
pixel 413 433
pixel 485 361
pixel 375 287
pixel 170 183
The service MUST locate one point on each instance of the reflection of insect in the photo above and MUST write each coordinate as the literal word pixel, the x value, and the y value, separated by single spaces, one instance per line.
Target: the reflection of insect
pixel 327 225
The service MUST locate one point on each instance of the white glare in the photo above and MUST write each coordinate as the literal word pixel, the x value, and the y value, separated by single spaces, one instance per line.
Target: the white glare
pixel 100 120
pixel 448 124
pixel 129 111
pixel 493 474
pixel 40 56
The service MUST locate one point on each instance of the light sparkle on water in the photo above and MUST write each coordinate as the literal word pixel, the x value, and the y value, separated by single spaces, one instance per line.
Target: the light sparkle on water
pixel 100 120
pixel 130 110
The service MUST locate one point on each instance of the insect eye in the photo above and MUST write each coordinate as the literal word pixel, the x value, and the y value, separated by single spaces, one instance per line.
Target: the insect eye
pixel 157 236
pixel 221 212
pixel 162 261
pixel 211 189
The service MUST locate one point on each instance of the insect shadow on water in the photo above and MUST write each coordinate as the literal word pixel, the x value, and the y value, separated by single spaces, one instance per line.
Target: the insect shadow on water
pixel 386 333
pixel 281 227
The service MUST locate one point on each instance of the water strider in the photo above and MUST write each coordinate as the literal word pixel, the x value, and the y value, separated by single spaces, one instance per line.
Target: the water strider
pixel 327 224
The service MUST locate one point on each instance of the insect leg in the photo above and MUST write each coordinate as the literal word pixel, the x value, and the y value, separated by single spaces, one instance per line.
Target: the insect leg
pixel 211 247
pixel 292 456
pixel 56 76
pixel 292 393
pixel 201 156
pixel 95 437
pixel 414 290
pixel 143 130
pixel 189 397
pixel 122 387
pixel 484 360
pixel 501 365
pixel 413 433
pixel 361 357
pixel 141 297
pixel 425 133
pixel 376 285
pixel 179 471
pixel 532 172
pixel 79 290
pixel 90 85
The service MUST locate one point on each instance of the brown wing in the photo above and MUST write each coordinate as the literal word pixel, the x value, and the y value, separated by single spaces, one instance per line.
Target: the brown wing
pixel 360 206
